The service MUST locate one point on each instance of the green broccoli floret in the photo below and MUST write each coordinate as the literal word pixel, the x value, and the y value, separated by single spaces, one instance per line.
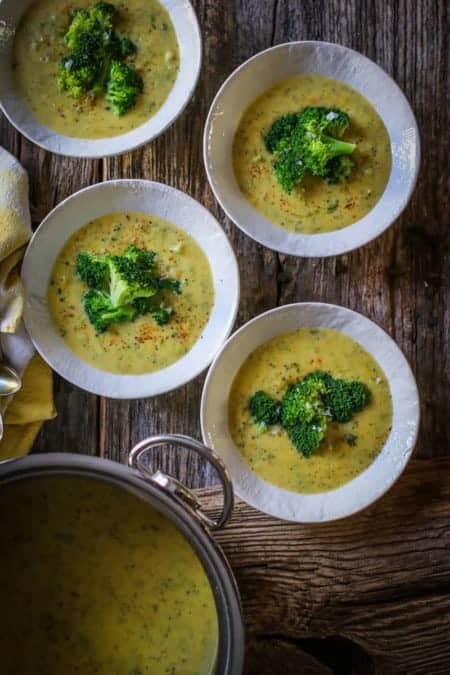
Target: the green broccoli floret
pixel 320 120
pixel 79 72
pixel 167 284
pixel 304 142
pixel 121 287
pixel 79 18
pixel 144 259
pixel 104 12
pixel 307 437
pixel 143 305
pixel 96 22
pixel 161 314
pixel 309 405
pixel 95 48
pixel 89 36
pixel 303 403
pixel 102 313
pixel 343 398
pixel 93 270
pixel 282 140
pixel 126 47
pixel 264 409
pixel 289 167
pixel 124 86
pixel 129 280
pixel 338 169
pixel 315 124
pixel 280 130
pixel 303 414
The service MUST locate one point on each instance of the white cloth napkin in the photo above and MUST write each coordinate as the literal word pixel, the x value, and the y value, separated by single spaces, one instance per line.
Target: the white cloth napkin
pixel 15 231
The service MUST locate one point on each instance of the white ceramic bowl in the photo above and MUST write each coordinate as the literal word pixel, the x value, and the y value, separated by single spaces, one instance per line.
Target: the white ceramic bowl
pixel 128 195
pixel 297 58
pixel 14 107
pixel 367 486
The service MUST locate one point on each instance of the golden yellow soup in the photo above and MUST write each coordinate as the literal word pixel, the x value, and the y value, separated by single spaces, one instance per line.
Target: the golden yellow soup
pixel 39 47
pixel 313 206
pixel 284 360
pixel 96 582
pixel 139 346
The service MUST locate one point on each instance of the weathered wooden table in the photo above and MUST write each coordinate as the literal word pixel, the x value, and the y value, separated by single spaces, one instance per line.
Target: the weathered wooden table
pixel 370 594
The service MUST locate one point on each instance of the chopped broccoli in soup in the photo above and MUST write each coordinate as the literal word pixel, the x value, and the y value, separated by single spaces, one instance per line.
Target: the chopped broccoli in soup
pixel 309 410
pixel 311 155
pixel 91 69
pixel 131 293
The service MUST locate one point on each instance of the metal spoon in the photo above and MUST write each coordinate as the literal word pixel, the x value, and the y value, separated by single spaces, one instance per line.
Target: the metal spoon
pixel 10 383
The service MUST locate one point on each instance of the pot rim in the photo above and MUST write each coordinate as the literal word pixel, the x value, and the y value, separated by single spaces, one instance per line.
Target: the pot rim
pixel 230 652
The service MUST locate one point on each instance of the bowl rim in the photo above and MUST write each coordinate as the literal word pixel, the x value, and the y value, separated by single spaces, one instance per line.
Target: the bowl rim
pixel 104 152
pixel 221 578
pixel 338 249
pixel 207 427
pixel 188 376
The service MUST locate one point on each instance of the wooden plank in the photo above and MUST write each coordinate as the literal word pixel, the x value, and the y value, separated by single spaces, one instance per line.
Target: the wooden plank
pixel 52 179
pixel 176 159
pixel 75 429
pixel 401 280
pixel 278 657
pixel 380 579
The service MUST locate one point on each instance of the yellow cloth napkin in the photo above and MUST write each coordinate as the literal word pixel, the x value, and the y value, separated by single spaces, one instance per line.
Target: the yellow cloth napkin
pixel 25 412
pixel 29 408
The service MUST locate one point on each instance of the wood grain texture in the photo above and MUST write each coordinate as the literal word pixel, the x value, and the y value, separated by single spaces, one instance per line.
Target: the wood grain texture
pixel 380 579
pixel 401 280
pixel 176 158
pixel 52 179
pixel 278 657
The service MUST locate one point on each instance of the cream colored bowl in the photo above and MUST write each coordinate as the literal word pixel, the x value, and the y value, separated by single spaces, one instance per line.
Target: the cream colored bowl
pixel 14 107
pixel 260 73
pixel 367 486
pixel 128 195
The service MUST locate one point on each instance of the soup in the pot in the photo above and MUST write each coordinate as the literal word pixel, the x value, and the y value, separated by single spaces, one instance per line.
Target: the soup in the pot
pixel 95 581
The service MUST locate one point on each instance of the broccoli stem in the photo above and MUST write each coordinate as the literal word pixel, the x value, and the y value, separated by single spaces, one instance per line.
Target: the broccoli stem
pixel 339 147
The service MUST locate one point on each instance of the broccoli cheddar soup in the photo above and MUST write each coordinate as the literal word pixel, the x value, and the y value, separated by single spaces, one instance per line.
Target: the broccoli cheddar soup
pixel 298 188
pixel 97 582
pixel 68 87
pixel 324 415
pixel 130 293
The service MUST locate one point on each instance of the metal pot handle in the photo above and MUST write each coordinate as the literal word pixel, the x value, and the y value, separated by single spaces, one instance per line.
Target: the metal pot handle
pixel 177 488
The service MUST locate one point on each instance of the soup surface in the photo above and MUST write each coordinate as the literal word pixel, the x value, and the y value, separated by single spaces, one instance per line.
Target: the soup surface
pixel 139 346
pixel 347 449
pixel 313 206
pixel 95 581
pixel 39 47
